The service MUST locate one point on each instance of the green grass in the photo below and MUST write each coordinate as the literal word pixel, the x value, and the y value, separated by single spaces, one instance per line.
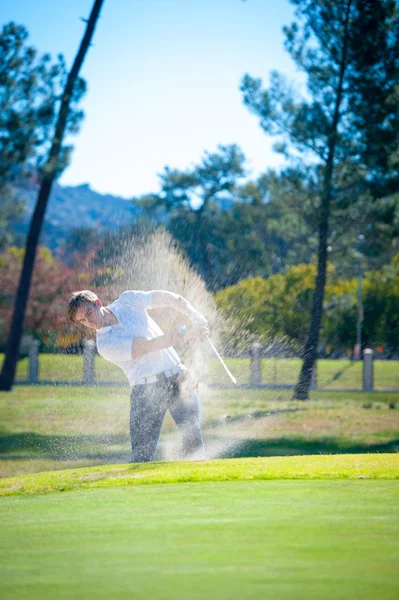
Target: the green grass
pixel 280 526
pixel 227 540
pixel 47 428
pixel 332 374
pixel 360 466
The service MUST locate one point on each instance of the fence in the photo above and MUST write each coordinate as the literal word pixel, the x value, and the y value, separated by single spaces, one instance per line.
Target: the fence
pixel 256 372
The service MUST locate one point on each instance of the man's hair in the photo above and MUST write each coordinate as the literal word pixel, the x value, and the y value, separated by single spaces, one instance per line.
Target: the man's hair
pixel 79 298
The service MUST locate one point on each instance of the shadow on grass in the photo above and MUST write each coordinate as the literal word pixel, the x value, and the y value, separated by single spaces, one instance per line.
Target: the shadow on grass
pixel 336 376
pixel 291 447
pixel 19 446
pixel 242 417
pixel 116 448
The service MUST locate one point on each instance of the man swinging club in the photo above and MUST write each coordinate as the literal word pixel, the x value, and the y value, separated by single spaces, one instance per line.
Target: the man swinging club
pixel 128 337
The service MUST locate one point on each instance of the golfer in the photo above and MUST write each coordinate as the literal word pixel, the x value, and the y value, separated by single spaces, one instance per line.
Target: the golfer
pixel 128 337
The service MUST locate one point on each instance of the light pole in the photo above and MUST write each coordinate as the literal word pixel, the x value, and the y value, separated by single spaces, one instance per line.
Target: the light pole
pixel 358 351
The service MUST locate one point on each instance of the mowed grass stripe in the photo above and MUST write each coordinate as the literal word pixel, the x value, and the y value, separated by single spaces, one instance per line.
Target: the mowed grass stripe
pixel 352 466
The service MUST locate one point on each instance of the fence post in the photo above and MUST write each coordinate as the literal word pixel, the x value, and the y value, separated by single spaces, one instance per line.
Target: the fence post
pixel 255 363
pixel 368 367
pixel 89 351
pixel 34 361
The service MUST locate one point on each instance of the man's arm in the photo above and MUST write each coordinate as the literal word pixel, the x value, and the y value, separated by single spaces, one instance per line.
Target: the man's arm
pixel 162 299
pixel 141 346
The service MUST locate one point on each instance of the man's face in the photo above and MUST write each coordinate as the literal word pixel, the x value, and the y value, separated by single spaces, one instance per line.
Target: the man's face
pixel 89 315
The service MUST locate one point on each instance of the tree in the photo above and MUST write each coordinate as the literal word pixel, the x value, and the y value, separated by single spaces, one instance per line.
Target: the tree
pixel 52 168
pixel 52 281
pixel 244 247
pixel 340 315
pixel 29 87
pixel 266 225
pixel 381 309
pixel 381 306
pixel 194 199
pixel 271 308
pixel 10 209
pixel 278 308
pixel 349 51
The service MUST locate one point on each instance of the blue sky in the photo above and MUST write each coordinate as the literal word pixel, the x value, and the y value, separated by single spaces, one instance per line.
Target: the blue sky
pixel 163 81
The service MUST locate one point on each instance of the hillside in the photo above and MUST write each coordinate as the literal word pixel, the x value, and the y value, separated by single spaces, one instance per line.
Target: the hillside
pixel 71 207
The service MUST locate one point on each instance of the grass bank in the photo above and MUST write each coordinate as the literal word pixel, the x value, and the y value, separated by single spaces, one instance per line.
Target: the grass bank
pixel 363 466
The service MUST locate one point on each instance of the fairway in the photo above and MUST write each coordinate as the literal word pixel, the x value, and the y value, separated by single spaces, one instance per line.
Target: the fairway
pixel 222 540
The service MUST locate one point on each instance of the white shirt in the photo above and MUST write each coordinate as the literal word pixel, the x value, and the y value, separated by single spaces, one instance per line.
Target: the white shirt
pixel 114 342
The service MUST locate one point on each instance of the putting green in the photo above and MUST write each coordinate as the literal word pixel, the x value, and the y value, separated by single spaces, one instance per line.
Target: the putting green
pixel 225 540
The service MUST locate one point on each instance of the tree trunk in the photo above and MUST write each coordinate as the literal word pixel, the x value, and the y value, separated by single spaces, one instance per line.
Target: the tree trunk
pixel 49 175
pixel 310 352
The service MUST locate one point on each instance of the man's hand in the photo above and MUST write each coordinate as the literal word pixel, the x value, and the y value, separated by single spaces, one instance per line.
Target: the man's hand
pixel 197 334
pixel 192 336
pixel 200 323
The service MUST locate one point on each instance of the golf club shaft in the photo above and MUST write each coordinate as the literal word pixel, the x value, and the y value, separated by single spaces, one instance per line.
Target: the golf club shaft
pixel 233 379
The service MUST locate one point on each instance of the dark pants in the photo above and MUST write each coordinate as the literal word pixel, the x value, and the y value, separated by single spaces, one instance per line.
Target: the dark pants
pixel 148 405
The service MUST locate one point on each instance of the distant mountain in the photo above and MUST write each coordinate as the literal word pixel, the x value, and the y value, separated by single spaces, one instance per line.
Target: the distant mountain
pixel 71 207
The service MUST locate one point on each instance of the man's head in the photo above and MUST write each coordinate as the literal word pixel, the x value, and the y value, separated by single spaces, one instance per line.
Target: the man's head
pixel 85 308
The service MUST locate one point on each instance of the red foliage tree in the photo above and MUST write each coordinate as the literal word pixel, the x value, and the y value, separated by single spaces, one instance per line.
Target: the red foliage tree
pixel 53 282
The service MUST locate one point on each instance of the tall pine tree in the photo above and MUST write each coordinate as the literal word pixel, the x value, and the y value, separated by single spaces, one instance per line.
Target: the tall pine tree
pixel 349 51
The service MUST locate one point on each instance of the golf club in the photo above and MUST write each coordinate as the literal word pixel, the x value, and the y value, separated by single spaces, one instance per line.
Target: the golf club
pixel 183 330
pixel 233 379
